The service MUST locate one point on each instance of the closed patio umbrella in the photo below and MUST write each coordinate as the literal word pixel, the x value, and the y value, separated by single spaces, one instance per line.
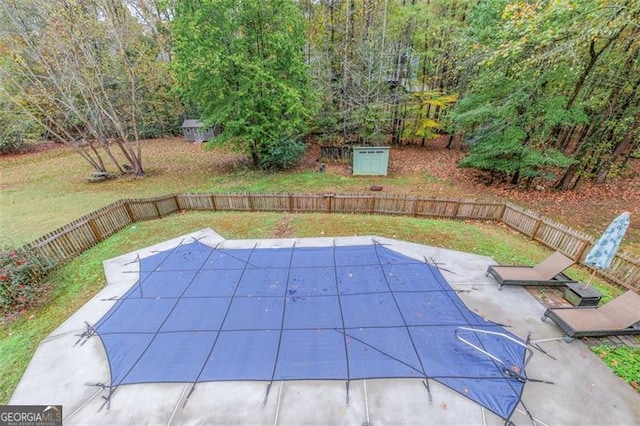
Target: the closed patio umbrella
pixel 607 245
pixel 602 252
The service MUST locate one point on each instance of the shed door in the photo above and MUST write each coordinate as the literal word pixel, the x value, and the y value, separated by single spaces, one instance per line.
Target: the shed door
pixel 370 162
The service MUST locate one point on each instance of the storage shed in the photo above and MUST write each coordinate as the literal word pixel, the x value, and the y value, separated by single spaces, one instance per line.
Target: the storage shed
pixel 194 131
pixel 370 160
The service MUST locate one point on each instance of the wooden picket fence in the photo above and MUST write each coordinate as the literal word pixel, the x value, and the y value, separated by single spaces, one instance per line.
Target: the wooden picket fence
pixel 70 240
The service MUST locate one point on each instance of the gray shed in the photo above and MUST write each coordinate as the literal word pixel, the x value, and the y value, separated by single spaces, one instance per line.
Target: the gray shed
pixel 372 160
pixel 194 131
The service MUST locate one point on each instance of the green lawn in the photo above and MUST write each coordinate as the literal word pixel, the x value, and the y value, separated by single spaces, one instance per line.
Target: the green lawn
pixel 43 191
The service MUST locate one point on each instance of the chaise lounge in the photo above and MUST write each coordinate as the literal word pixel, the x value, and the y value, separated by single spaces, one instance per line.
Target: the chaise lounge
pixel 546 273
pixel 618 317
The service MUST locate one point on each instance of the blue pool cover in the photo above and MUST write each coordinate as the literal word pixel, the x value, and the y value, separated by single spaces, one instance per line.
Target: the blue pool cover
pixel 199 314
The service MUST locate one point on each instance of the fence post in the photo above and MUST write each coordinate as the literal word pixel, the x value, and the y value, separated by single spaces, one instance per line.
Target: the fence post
pixel 503 210
pixel 585 244
pixel 155 204
pixel 95 230
pixel 213 202
pixel 535 229
pixel 457 210
pixel 633 278
pixel 414 207
pixel 290 203
pixel 328 202
pixel 407 206
pixel 372 204
pixel 130 212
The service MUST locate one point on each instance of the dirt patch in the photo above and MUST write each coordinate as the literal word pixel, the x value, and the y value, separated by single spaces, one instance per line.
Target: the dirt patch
pixel 284 229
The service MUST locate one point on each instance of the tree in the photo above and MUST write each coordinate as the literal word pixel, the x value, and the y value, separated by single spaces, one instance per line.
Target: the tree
pixel 556 88
pixel 241 63
pixel 605 88
pixel 86 73
pixel 14 129
pixel 386 69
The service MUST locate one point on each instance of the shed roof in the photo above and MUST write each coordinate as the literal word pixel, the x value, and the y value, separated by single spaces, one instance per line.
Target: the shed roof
pixel 192 123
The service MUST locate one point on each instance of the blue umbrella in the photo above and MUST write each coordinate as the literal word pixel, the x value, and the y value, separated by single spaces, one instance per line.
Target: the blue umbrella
pixel 605 248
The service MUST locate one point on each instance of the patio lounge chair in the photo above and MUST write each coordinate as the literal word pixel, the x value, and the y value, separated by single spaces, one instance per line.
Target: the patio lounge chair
pixel 547 273
pixel 619 316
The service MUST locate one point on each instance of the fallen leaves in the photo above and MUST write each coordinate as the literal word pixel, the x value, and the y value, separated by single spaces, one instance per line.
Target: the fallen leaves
pixel 597 204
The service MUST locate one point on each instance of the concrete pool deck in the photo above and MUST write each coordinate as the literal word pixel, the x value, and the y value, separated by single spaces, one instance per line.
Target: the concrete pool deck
pixel 585 391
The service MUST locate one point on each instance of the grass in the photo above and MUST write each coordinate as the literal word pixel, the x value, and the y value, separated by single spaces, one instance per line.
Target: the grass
pixel 54 189
pixel 473 237
pixel 74 283
pixel 43 191
pixel 256 181
pixel 624 361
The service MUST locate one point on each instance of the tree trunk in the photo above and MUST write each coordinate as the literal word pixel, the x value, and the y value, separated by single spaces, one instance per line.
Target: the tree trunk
pixel 450 141
pixel 515 178
pixel 615 111
pixel 593 58
pixel 625 147
pixel 564 183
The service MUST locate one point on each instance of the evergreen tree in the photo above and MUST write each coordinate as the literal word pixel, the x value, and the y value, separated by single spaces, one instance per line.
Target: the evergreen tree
pixel 241 64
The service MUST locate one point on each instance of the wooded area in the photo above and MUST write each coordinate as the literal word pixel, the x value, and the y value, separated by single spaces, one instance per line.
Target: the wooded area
pixel 544 89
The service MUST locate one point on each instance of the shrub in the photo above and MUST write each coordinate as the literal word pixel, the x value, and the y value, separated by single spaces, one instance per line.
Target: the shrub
pixel 285 154
pixel 22 275
pixel 10 143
